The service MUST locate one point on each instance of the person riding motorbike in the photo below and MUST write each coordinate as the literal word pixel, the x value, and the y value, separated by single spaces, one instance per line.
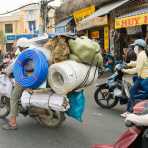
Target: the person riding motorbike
pixel 139 90
pixel 17 91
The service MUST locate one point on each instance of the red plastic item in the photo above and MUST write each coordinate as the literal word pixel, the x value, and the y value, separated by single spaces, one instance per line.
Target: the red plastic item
pixel 126 140
pixel 102 146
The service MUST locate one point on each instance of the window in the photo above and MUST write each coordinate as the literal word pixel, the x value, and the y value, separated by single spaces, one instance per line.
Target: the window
pixel 8 28
pixel 32 26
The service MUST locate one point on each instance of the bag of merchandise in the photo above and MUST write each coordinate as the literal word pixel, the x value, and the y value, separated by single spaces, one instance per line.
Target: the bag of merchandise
pixel 59 49
pixel 77 105
pixel 85 49
pixel 5 86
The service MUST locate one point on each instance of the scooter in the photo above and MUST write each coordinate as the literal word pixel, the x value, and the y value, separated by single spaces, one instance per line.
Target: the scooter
pixel 41 111
pixel 114 90
pixel 136 136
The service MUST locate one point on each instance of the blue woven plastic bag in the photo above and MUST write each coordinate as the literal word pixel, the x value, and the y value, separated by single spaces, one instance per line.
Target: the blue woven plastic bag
pixel 77 105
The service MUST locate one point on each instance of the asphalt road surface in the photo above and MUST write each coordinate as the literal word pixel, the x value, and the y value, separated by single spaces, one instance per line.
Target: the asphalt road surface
pixel 99 126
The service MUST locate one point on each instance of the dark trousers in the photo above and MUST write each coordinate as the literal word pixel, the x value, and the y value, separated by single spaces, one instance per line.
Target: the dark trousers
pixel 137 93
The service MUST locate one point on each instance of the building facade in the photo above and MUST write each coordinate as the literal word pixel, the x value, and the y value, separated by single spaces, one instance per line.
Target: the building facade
pixel 24 23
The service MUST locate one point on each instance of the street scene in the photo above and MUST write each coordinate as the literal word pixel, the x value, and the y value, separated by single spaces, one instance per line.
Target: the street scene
pixel 74 74
pixel 98 126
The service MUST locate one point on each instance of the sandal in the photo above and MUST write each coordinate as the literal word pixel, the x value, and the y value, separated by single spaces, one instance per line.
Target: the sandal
pixel 8 126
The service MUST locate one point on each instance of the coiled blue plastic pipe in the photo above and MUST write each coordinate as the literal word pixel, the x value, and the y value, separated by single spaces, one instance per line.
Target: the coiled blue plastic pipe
pixel 40 68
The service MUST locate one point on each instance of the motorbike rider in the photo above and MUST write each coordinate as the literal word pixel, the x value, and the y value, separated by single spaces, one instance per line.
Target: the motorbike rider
pixel 141 69
pixel 17 91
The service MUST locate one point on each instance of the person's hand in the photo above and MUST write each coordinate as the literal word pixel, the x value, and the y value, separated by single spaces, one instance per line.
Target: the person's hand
pixel 123 70
pixel 30 91
pixel 133 118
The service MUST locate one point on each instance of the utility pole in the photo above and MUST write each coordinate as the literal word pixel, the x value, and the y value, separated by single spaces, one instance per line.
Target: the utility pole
pixel 44 9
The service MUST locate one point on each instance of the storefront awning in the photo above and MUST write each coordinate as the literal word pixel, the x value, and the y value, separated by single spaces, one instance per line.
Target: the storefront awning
pixel 99 18
pixel 61 27
pixel 98 21
pixel 136 18
pixel 106 9
pixel 64 23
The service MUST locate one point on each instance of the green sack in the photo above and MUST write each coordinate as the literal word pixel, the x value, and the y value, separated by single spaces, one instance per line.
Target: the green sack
pixel 85 49
pixel 74 58
pixel 98 60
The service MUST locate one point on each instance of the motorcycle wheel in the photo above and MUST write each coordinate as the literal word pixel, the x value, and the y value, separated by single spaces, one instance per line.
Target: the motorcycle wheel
pixel 4 107
pixel 52 119
pixel 104 98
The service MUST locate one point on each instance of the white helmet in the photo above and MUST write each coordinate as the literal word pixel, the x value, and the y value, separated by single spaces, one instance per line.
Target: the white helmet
pixel 22 42
pixel 140 42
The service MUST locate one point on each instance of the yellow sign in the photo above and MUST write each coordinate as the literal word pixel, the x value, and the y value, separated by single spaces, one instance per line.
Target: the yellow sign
pixel 106 38
pixel 94 34
pixel 97 21
pixel 82 13
pixel 131 21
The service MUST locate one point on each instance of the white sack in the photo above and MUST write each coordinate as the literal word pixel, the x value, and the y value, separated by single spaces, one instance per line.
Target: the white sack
pixel 44 100
pixel 65 76
pixel 139 120
pixel 5 86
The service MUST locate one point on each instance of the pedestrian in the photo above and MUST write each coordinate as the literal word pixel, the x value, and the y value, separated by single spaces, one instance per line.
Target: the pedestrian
pixel 17 91
pixel 141 69
pixel 7 59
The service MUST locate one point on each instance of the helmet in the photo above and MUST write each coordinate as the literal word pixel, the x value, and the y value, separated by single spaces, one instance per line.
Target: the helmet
pixel 23 42
pixel 140 42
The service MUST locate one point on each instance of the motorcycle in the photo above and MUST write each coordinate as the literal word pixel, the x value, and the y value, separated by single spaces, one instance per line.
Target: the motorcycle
pixel 136 136
pixel 114 90
pixel 44 115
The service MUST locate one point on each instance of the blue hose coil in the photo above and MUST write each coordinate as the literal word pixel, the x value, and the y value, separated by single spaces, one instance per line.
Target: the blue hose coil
pixel 40 68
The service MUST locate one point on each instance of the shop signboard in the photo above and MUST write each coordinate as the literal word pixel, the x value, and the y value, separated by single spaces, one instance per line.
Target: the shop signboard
pixel 94 22
pixel 131 21
pixel 14 37
pixel 83 13
pixel 94 34
pixel 106 38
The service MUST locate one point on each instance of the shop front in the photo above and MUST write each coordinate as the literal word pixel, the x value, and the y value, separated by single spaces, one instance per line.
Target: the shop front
pixel 97 28
pixel 136 25
pixel 128 23
pixel 65 26
pixel 98 25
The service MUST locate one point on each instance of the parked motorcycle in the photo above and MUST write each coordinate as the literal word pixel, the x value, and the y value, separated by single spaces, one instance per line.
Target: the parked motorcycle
pixel 45 116
pixel 136 136
pixel 114 90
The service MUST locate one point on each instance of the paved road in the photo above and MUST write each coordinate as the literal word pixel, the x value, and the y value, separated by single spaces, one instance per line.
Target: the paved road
pixel 99 126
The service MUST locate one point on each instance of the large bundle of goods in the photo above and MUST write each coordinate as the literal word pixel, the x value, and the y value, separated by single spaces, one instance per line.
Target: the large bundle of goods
pixel 64 65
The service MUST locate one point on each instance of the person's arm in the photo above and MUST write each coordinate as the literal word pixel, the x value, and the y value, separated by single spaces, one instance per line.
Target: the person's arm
pixel 140 120
pixel 130 71
pixel 132 64
pixel 139 65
